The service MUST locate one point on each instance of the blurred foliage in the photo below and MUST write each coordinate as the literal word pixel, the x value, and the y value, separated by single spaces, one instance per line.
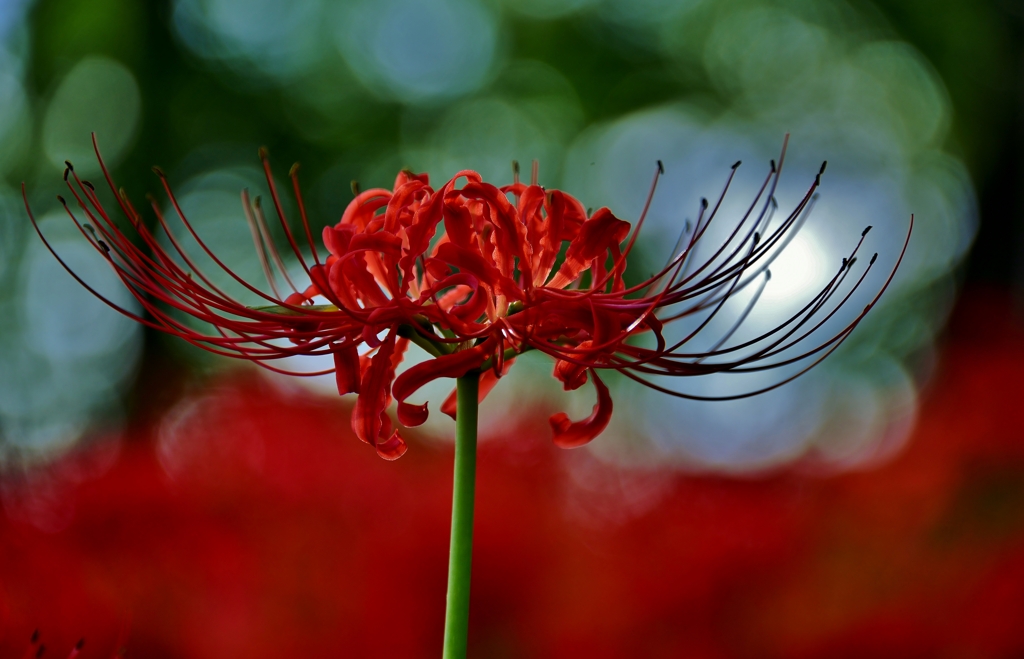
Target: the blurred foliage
pixel 189 104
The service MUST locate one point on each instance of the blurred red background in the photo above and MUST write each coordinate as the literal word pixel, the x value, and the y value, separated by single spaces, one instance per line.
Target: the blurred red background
pixel 255 525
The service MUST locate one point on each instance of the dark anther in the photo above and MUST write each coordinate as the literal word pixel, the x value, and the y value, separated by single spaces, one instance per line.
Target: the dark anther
pixel 515 167
pixel 845 262
pixel 872 261
pixel 295 168
pixel 852 261
pixel 767 275
pixel 40 651
pixel 262 153
pixel 89 185
pixel 67 170
pixel 35 637
pixel 865 231
pixel 79 644
pixel 822 170
pixel 61 200
pixel 757 237
pixel 703 202
pixel 686 227
pixel 737 164
pixel 69 165
pixel 355 187
pixel 773 166
pixel 106 250
pixel 159 172
pixel 661 167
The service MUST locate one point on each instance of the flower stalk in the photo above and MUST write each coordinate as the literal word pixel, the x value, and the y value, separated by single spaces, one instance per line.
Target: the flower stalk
pixel 460 557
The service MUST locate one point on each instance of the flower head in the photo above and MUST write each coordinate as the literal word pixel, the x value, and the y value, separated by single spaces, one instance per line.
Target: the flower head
pixel 475 274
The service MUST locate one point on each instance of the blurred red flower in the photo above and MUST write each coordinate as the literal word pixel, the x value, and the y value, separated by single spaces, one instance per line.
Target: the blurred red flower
pixel 240 527
pixel 516 268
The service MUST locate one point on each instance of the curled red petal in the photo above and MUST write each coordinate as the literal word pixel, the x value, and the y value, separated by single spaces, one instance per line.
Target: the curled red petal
pixel 346 368
pixel 352 275
pixel 411 415
pixel 402 202
pixel 404 176
pixel 382 241
pixel 336 239
pixel 392 448
pixel 360 211
pixel 596 237
pixel 488 380
pixel 467 260
pixel 419 234
pixel 321 280
pixel 509 237
pixel 572 435
pixel 295 299
pixel 374 393
pixel 570 374
pixel 446 366
pixel 458 221
pixel 451 404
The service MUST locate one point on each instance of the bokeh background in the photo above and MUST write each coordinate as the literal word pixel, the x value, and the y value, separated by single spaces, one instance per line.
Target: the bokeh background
pixel 162 500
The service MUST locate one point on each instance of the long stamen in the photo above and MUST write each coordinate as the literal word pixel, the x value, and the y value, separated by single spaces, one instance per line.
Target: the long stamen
pixel 280 211
pixel 258 242
pixel 261 222
pixel 294 174
pixel 743 317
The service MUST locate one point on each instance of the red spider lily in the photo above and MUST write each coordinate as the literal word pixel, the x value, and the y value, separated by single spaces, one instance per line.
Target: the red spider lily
pixel 515 268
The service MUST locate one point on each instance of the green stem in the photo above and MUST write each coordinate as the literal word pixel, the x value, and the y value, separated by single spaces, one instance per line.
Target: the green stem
pixel 456 620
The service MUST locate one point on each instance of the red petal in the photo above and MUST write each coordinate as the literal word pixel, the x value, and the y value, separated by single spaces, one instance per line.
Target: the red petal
pixel 321 279
pixel 458 223
pixel 571 375
pixel 571 435
pixel 403 203
pixel 352 272
pixel 597 236
pixel 510 239
pixel 446 366
pixel 488 380
pixel 336 239
pixel 411 415
pixel 451 404
pixel 405 176
pixel 392 449
pixel 360 211
pixel 467 260
pixel 401 345
pixel 374 392
pixel 346 368
pixel 419 234
pixel 382 241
